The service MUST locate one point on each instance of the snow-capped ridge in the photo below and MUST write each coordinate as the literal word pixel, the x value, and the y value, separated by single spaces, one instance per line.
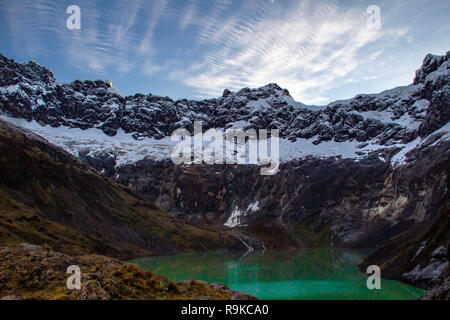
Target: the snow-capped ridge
pixel 394 117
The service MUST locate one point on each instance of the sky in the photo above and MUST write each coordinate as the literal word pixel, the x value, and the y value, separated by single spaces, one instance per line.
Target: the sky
pixel 321 51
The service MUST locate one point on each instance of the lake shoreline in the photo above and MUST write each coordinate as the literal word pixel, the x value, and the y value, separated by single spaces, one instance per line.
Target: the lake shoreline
pixel 348 277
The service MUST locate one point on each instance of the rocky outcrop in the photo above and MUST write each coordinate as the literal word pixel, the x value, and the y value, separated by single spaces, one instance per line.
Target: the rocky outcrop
pixel 40 273
pixel 434 74
pixel 30 91
pixel 439 292
pixel 433 273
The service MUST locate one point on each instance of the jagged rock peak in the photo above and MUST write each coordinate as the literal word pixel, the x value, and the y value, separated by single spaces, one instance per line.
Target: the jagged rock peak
pixel 30 91
pixel 430 64
pixel 12 73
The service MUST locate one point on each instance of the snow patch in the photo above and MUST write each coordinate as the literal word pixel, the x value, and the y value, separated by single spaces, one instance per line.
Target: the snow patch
pixel 400 157
pixel 126 149
pixel 235 218
pixel 129 150
pixel 253 207
pixel 260 104
pixel 302 148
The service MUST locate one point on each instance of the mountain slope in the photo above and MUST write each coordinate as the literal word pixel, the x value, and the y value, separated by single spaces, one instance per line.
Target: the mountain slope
pixel 371 171
pixel 47 196
pixel 126 129
pixel 344 170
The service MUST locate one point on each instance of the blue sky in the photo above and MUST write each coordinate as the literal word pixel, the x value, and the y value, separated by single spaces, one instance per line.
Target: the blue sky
pixel 320 51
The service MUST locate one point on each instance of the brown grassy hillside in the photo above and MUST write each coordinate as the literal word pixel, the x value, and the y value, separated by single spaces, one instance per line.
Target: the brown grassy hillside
pixel 48 196
pixel 31 272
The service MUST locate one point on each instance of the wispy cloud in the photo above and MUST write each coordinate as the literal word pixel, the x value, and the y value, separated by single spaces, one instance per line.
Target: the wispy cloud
pixel 113 36
pixel 188 16
pixel 30 23
pixel 308 47
pixel 203 46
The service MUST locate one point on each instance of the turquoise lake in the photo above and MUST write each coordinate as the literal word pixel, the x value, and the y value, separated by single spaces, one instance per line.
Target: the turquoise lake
pixel 313 274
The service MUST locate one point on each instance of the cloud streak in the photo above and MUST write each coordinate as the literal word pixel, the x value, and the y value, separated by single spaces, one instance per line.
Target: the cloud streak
pixel 113 36
pixel 306 47
pixel 309 47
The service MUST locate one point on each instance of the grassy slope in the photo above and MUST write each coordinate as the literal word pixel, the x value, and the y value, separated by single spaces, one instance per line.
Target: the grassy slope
pixel 28 272
pixel 48 196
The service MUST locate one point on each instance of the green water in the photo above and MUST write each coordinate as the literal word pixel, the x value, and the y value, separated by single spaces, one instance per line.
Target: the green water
pixel 279 275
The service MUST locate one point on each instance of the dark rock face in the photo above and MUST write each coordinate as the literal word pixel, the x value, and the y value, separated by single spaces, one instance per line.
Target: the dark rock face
pixel 419 255
pixel 436 71
pixel 104 163
pixel 25 87
pixel 89 104
pixel 430 64
pixel 363 203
